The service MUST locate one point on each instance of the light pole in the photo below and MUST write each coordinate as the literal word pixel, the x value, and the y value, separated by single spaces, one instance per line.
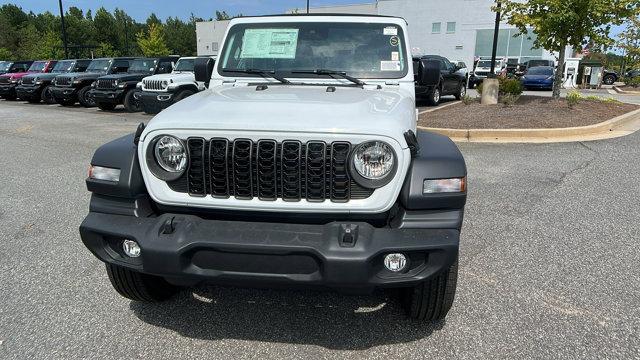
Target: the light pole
pixel 64 31
pixel 307 6
pixel 495 40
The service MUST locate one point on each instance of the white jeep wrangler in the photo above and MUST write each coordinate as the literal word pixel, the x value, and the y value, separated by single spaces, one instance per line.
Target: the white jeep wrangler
pixel 299 166
pixel 158 92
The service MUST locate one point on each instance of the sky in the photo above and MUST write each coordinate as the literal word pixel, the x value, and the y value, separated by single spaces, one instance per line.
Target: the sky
pixel 140 9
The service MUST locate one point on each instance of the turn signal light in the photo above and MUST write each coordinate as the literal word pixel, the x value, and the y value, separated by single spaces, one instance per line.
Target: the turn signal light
pixel 455 185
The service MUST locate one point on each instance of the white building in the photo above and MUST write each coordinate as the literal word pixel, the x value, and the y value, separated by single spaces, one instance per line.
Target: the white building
pixel 460 30
pixel 209 36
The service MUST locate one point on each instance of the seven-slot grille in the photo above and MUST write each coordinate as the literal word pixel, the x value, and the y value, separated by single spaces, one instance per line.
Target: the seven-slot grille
pixel 269 170
pixel 63 80
pixel 154 85
pixel 5 80
pixel 106 84
pixel 28 80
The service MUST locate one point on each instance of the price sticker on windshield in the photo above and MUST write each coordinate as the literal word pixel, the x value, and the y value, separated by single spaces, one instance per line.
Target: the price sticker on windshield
pixel 390 66
pixel 269 44
pixel 390 31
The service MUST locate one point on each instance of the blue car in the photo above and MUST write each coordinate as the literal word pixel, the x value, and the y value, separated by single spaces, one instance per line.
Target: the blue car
pixel 539 77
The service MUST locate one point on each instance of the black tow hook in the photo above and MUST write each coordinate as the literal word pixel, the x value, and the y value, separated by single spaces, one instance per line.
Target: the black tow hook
pixel 168 227
pixel 348 235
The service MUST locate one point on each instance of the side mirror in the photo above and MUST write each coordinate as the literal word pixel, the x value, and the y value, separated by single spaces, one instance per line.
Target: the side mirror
pixel 203 69
pixel 429 72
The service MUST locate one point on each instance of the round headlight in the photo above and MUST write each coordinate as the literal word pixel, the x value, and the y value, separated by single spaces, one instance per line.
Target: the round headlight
pixel 165 83
pixel 373 162
pixel 171 154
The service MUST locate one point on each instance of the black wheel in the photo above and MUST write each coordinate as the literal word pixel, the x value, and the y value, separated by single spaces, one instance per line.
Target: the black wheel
pixel 33 100
pixel 139 287
pixel 106 106
pixel 85 98
pixel 461 92
pixel 131 103
pixel 183 95
pixel 47 96
pixel 609 80
pixel 433 98
pixel 10 97
pixel 432 300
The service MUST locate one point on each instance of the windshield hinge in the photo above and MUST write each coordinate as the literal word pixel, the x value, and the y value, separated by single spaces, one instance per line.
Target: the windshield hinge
pixel 392 83
pixel 229 81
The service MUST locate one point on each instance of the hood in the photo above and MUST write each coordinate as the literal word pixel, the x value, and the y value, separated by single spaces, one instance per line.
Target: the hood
pixel 535 77
pixel 18 75
pixel 293 108
pixel 43 76
pixel 83 75
pixel 176 77
pixel 125 77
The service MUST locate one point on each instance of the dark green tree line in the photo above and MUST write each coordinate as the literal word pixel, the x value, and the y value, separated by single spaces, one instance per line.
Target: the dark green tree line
pixel 25 35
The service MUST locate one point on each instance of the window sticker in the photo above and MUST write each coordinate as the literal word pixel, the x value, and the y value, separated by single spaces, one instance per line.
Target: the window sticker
pixel 270 44
pixel 394 41
pixel 390 30
pixel 389 65
pixel 395 56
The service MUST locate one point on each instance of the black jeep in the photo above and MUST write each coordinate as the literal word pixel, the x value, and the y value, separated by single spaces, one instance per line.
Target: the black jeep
pixel 74 87
pixel 112 90
pixel 449 80
pixel 37 87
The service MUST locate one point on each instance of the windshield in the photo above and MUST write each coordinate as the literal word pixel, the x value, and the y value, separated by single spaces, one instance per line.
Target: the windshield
pixel 487 64
pixel 63 66
pixel 363 50
pixel 143 66
pixel 539 70
pixel 5 65
pixel 99 66
pixel 185 65
pixel 38 66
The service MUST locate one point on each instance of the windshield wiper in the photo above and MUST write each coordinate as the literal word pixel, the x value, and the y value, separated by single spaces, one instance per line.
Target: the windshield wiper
pixel 263 73
pixel 331 73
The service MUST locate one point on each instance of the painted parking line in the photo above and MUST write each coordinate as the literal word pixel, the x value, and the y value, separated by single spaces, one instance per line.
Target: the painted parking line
pixel 439 107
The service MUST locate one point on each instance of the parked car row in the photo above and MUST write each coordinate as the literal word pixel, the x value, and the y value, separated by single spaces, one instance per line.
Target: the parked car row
pixel 140 84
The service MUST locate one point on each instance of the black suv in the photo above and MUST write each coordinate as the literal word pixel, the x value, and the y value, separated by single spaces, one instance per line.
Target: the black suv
pixel 74 87
pixel 37 87
pixel 112 90
pixel 14 66
pixel 451 81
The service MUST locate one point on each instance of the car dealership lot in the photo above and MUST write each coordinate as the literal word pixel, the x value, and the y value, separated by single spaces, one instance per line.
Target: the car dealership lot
pixel 548 266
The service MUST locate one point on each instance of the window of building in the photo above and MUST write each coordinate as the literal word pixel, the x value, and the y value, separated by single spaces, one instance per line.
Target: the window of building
pixel 435 28
pixel 451 27
pixel 214 46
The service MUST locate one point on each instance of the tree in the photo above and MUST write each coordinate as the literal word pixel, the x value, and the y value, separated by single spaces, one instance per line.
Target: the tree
pixel 562 23
pixel 222 15
pixel 152 43
pixel 629 42
pixel 180 36
pixel 5 54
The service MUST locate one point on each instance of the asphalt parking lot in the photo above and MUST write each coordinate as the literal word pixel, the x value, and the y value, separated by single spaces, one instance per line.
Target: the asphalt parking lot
pixel 548 265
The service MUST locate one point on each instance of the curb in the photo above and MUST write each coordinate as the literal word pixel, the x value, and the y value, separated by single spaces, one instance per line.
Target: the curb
pixel 604 130
pixel 627 92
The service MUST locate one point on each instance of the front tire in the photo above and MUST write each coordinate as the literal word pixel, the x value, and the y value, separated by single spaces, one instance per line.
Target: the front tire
pixel 139 287
pixel 34 100
pixel 183 95
pixel 609 80
pixel 85 98
pixel 131 103
pixel 106 106
pixel 47 96
pixel 461 92
pixel 432 299
pixel 433 98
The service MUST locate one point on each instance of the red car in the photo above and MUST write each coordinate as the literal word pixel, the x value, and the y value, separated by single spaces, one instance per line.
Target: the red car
pixel 9 81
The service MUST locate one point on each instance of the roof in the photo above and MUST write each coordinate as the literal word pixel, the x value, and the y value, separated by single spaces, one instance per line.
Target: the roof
pixel 324 15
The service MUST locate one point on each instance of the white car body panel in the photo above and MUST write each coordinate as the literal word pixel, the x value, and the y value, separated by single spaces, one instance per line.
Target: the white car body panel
pixel 383 110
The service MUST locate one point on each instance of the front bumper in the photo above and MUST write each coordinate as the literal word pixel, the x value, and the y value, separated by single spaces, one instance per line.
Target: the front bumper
pixel 28 91
pixel 537 85
pixel 154 102
pixel 8 90
pixel 115 96
pixel 65 93
pixel 269 254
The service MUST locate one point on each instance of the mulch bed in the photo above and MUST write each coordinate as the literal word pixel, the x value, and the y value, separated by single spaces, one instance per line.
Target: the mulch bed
pixel 530 112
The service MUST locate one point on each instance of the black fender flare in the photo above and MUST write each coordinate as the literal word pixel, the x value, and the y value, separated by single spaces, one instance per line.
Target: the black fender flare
pixel 438 157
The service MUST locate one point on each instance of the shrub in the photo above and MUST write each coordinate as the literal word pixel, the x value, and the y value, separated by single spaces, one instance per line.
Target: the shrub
pixel 612 101
pixel 510 87
pixel 593 98
pixel 479 89
pixel 573 98
pixel 509 100
pixel 468 100
pixel 634 82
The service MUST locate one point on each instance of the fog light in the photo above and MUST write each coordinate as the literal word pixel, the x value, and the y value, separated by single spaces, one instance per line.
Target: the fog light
pixel 131 248
pixel 395 262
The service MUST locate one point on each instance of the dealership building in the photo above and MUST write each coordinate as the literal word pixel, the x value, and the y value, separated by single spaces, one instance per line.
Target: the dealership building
pixel 461 30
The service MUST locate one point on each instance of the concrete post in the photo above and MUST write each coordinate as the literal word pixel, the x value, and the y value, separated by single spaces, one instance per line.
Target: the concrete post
pixel 490 91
